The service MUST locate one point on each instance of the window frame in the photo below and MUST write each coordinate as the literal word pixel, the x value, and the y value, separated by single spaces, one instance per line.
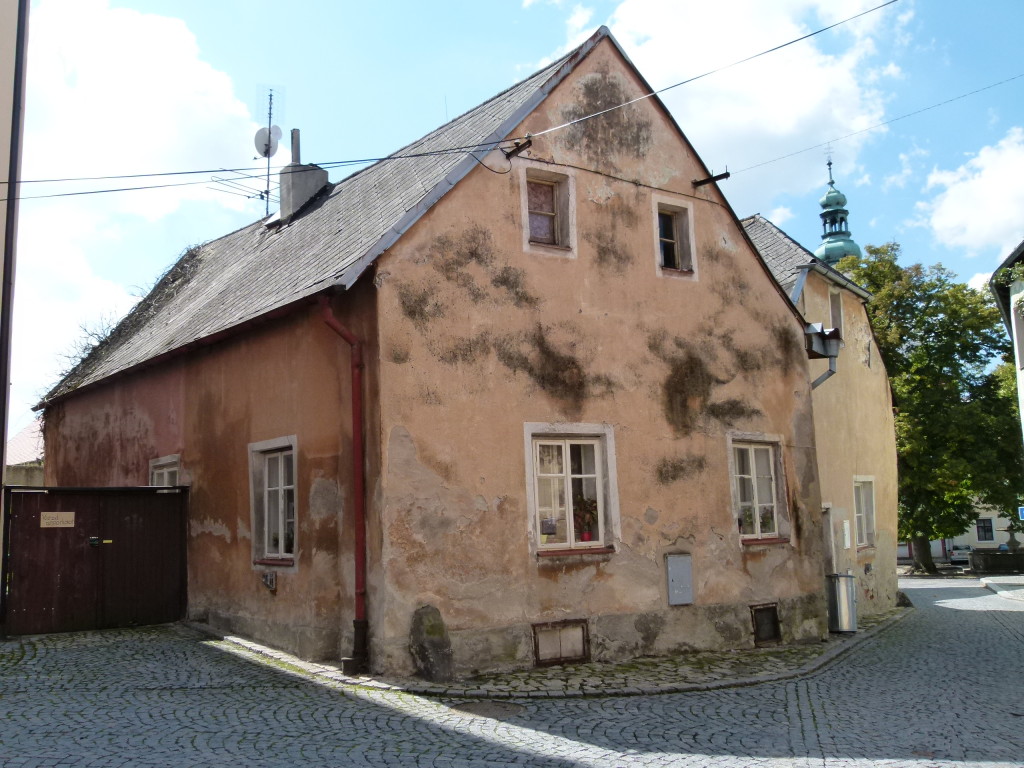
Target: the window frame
pixel 779 493
pixel 563 183
pixel 864 520
pixel 602 437
pixel 163 465
pixel 262 494
pixel 681 211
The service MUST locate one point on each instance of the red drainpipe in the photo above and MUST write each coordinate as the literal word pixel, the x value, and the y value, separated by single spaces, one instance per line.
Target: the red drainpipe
pixel 360 647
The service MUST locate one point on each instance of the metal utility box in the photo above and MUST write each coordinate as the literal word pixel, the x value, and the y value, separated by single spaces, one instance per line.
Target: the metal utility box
pixel 680 579
pixel 842 602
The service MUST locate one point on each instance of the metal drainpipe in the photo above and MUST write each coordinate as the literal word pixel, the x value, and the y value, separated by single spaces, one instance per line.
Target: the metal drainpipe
pixel 360 647
pixel 826 375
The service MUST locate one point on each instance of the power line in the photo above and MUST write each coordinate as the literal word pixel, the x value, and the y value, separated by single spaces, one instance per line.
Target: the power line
pixel 450 150
pixel 714 71
pixel 881 124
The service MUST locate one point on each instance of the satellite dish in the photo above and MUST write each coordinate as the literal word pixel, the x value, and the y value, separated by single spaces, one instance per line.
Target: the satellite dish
pixel 266 140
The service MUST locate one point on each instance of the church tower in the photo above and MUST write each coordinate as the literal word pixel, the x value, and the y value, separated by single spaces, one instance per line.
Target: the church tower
pixel 835 239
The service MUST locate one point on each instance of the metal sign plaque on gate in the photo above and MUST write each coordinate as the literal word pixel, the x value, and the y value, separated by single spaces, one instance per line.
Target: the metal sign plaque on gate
pixel 56 519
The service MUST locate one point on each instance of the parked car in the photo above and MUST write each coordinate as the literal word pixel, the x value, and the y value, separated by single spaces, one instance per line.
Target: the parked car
pixel 960 554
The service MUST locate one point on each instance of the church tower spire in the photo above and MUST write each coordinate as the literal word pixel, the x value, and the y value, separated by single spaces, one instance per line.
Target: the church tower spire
pixel 835 239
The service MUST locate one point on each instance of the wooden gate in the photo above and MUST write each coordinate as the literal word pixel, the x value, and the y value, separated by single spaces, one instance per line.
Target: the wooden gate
pixel 92 558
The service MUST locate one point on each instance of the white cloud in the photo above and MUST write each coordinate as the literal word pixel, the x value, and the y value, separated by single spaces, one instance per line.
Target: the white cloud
pixel 980 281
pixel 110 91
pixel 906 171
pixel 578 25
pixel 798 97
pixel 977 206
pixel 780 215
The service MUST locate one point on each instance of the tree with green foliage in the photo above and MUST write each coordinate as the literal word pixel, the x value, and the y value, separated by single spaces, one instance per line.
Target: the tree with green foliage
pixel 957 431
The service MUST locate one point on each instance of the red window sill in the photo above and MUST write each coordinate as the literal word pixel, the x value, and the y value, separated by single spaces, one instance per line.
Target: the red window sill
pixel 579 551
pixel 282 562
pixel 755 542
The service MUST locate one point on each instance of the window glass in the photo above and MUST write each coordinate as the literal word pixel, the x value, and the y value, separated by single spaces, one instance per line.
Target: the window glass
pixel 754 488
pixel 667 236
pixel 568 495
pixel 541 202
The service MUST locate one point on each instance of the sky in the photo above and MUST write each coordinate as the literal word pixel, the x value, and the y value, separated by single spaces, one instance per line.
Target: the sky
pixel 918 105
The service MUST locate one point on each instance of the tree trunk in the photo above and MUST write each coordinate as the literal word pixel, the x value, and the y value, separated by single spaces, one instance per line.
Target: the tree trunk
pixel 923 555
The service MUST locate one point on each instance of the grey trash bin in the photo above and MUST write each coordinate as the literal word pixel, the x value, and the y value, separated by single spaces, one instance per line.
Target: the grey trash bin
pixel 842 602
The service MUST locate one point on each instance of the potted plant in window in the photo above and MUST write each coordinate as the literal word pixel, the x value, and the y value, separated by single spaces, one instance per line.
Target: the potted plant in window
pixel 584 517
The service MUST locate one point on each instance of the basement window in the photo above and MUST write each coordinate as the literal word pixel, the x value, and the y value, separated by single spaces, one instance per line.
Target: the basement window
pixel 766 624
pixel 561 642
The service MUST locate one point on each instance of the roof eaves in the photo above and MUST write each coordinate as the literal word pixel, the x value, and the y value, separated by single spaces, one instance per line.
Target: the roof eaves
pixel 1002 292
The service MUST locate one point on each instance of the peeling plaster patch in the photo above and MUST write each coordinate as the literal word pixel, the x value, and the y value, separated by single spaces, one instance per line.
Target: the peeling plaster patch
pixel 625 131
pixel 650 626
pixel 419 304
pixel 212 527
pixel 670 470
pixel 242 531
pixel 651 516
pixel 325 501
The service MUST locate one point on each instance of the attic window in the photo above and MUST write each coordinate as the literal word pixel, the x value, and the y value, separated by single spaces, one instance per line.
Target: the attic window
pixel 548 210
pixel 673 238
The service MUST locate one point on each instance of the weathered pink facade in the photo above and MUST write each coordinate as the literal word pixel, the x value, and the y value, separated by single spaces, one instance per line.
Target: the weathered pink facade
pixel 478 344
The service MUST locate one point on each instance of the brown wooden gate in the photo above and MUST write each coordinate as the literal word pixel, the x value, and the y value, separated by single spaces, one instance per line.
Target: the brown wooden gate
pixel 92 558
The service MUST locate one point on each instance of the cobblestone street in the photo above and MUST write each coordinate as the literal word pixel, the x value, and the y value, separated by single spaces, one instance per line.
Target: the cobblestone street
pixel 944 686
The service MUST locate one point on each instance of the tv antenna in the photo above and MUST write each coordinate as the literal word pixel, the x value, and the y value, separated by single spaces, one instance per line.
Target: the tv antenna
pixel 266 144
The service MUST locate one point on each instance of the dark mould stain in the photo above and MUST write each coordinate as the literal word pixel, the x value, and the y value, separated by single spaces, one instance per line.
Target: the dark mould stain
pixel 609 251
pixel 729 412
pixel 791 349
pixel 670 470
pixel 419 304
pixel 467 350
pixel 399 354
pixel 512 280
pixel 557 372
pixel 624 131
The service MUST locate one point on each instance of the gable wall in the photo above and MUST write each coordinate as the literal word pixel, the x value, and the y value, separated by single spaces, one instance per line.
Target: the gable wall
pixel 282 378
pixel 480 336
pixel 856 438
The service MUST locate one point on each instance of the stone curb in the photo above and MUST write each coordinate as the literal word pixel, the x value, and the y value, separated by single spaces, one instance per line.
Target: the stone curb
pixel 1014 591
pixel 591 688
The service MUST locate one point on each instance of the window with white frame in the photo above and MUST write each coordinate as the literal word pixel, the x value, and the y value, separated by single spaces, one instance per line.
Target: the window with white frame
pixel 673 237
pixel 548 209
pixel 755 489
pixel 165 470
pixel 864 510
pixel 571 486
pixel 272 472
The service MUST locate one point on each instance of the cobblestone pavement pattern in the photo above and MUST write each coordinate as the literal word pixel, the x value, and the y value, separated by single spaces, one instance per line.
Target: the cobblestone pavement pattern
pixel 941 687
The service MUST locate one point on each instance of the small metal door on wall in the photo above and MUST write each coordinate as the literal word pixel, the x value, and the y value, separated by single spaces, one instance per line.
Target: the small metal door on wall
pixel 91 558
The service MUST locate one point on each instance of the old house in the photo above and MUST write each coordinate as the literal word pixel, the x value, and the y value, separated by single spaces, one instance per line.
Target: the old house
pixel 527 375
pixel 853 416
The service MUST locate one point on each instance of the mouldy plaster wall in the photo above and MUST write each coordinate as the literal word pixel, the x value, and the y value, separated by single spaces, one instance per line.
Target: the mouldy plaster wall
pixel 479 337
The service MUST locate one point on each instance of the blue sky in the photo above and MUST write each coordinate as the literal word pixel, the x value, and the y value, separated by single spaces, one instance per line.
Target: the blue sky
pixel 143 86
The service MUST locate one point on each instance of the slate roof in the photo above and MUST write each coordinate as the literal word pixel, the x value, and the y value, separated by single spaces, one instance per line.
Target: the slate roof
pixel 26 447
pixel 259 269
pixel 785 256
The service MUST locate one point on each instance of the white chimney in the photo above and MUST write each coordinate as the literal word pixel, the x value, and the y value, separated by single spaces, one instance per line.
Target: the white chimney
pixel 299 183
